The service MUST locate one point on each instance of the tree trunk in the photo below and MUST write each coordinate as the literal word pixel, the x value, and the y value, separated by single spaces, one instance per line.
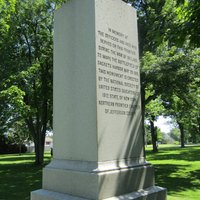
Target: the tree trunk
pixel 39 149
pixel 181 127
pixel 20 148
pixel 153 135
pixel 39 140
pixel 194 136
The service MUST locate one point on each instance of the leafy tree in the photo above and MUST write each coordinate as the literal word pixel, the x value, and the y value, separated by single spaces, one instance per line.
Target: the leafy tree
pixel 173 74
pixel 155 17
pixel 27 49
pixel 158 134
pixel 177 108
pixel 168 71
pixel 7 8
pixel 174 20
pixel 175 134
pixel 153 110
pixel 7 146
pixel 19 134
pixel 186 27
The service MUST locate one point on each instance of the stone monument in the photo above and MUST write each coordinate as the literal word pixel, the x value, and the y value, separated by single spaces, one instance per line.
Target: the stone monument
pixel 98 141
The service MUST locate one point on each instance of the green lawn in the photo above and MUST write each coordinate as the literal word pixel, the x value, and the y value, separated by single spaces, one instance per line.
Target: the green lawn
pixel 19 176
pixel 176 169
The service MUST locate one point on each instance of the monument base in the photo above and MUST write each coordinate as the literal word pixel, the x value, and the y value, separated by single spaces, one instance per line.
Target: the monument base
pixel 63 180
pixel 151 193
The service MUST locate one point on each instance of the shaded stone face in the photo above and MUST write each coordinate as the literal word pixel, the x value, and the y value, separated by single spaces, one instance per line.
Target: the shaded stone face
pixel 119 128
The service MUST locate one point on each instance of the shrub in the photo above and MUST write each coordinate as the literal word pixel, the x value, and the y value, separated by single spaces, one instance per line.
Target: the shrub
pixel 6 147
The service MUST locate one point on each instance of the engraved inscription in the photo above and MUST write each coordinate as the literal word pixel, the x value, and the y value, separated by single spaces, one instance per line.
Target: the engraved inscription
pixel 118 73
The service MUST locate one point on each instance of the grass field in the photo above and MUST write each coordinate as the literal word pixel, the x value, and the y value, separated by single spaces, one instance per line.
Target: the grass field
pixel 19 176
pixel 176 169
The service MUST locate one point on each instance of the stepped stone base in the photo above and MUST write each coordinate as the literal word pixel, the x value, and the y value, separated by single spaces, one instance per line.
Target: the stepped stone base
pixel 63 180
pixel 151 193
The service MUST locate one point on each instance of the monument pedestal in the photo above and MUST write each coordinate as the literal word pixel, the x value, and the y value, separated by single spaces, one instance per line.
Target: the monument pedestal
pixel 98 141
pixel 151 193
pixel 106 183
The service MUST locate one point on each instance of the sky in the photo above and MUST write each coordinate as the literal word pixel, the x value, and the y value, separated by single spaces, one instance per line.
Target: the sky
pixel 164 124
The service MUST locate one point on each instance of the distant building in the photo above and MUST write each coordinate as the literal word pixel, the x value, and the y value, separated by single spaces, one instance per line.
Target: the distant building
pixel 48 145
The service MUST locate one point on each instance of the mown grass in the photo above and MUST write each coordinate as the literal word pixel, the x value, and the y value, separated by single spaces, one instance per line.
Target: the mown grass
pixel 178 170
pixel 19 176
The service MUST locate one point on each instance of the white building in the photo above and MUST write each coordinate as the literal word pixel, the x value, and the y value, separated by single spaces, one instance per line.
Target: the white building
pixel 48 145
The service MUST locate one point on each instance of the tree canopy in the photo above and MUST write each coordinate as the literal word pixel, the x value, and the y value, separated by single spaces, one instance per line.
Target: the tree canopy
pixel 26 66
pixel 170 60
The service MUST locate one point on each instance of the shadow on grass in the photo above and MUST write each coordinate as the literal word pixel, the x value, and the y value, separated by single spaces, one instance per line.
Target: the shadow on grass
pixel 177 168
pixel 19 179
pixel 9 159
pixel 187 154
pixel 166 177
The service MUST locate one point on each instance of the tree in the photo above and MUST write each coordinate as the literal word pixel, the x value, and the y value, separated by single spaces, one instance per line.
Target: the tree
pixel 173 74
pixel 175 134
pixel 154 19
pixel 167 69
pixel 159 135
pixel 153 110
pixel 30 43
pixel 7 8
pixel 178 109
pixel 186 27
pixel 19 134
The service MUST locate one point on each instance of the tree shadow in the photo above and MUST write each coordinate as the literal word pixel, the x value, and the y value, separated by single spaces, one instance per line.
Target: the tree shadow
pixel 13 159
pixel 187 154
pixel 166 176
pixel 19 176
